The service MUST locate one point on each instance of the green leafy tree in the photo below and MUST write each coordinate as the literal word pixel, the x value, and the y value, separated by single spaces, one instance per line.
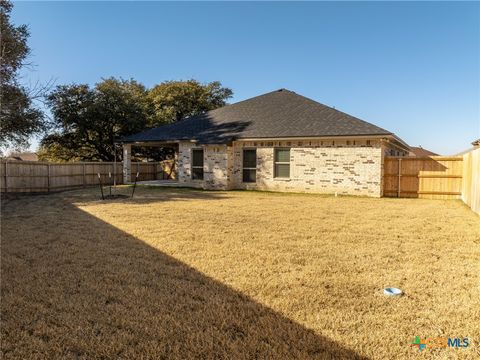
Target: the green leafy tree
pixel 87 121
pixel 19 117
pixel 175 100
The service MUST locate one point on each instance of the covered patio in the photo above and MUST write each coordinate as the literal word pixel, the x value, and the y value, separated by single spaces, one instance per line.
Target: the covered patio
pixel 162 183
pixel 165 173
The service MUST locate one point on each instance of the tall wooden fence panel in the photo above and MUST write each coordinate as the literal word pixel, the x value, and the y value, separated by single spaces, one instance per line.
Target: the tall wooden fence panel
pixel 435 177
pixel 35 176
pixel 471 180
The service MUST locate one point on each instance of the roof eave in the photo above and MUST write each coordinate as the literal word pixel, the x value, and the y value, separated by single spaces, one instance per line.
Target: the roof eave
pixel 140 142
pixel 402 143
pixel 390 136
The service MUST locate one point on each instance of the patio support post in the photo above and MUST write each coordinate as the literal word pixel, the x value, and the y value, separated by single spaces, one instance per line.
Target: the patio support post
pixel 127 163
pixel 174 169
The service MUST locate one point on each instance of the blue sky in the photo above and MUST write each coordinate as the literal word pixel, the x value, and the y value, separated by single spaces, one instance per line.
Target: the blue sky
pixel 411 68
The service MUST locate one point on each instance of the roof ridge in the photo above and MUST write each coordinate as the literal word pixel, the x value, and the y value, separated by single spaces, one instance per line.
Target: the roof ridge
pixel 278 113
pixel 342 112
pixel 255 97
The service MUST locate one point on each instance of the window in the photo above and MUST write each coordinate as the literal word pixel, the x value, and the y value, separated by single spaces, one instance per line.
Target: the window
pixel 282 163
pixel 249 165
pixel 197 164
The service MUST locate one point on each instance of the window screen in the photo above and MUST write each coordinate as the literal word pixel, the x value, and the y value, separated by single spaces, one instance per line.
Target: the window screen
pixel 249 165
pixel 197 164
pixel 282 163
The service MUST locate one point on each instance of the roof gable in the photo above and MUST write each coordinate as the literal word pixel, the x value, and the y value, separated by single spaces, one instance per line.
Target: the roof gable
pixel 278 114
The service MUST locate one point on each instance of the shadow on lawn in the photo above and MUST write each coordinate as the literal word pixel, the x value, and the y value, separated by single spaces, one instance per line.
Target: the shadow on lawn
pixel 74 286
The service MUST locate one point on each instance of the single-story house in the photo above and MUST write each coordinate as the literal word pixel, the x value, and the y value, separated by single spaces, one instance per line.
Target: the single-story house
pixel 278 141
pixel 23 156
pixel 419 151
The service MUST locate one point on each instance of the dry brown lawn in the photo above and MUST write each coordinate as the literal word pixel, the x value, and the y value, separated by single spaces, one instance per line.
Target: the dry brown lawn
pixel 185 274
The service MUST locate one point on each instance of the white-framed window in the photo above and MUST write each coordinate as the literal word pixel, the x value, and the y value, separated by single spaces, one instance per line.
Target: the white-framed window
pixel 197 164
pixel 282 163
pixel 249 165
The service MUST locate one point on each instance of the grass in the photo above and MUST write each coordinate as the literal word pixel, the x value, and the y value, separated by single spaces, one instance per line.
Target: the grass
pixel 179 273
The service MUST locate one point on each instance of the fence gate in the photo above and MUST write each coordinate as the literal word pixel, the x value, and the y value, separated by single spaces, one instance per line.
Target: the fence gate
pixel 435 177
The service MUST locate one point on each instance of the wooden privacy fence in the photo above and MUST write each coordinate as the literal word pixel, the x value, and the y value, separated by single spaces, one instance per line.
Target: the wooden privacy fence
pixel 471 180
pixel 34 176
pixel 435 177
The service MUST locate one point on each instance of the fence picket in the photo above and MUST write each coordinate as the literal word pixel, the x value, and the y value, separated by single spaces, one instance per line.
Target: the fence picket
pixel 37 176
pixel 434 177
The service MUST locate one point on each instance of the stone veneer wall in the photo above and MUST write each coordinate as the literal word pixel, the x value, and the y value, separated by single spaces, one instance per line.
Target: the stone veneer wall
pixel 184 167
pixel 345 167
pixel 349 168
pixel 216 169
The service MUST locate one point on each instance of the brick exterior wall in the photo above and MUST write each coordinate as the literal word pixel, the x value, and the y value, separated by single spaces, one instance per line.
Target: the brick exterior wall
pixel 184 168
pixel 343 167
pixel 317 167
pixel 216 168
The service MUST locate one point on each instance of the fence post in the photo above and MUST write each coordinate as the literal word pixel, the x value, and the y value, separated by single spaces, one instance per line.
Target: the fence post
pixel 114 172
pixel 399 177
pixel 84 181
pixel 48 177
pixel 84 175
pixel 6 175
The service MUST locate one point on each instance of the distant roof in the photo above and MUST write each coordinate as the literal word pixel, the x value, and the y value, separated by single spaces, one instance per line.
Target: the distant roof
pixel 421 152
pixel 277 114
pixel 23 156
pixel 475 144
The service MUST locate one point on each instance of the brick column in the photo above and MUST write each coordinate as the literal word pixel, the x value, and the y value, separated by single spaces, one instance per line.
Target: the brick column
pixel 127 163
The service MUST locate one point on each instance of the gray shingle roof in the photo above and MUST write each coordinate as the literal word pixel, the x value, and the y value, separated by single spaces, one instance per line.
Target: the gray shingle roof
pixel 421 152
pixel 278 114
